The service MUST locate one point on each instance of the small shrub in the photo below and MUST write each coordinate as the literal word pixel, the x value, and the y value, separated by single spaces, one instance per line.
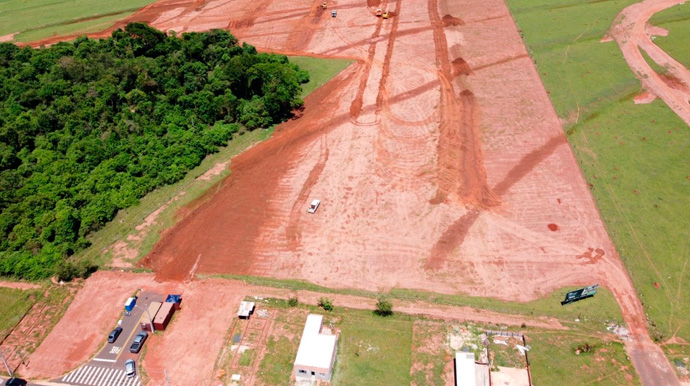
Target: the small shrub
pixel 293 301
pixel 325 303
pixel 384 307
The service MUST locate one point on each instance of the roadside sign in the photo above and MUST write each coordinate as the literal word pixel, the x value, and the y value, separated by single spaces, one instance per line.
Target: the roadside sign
pixel 579 294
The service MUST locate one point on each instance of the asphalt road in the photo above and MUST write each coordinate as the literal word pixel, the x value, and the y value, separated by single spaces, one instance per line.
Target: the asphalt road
pixel 107 368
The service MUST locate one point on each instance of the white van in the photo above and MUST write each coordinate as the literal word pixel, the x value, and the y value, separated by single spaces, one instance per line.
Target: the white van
pixel 314 206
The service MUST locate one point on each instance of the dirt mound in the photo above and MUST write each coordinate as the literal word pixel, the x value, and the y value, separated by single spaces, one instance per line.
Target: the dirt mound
pixel 461 67
pixel 449 20
pixel 553 227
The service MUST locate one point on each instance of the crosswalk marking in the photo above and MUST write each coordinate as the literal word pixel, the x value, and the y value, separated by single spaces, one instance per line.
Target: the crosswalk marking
pixel 90 375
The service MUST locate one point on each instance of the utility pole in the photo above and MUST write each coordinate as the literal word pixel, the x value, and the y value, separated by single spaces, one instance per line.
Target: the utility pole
pixel 6 365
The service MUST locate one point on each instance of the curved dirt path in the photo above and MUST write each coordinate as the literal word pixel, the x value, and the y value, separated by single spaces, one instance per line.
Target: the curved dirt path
pixel 632 32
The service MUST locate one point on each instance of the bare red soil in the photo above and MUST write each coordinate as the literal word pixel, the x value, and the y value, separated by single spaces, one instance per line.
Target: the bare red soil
pixel 438 159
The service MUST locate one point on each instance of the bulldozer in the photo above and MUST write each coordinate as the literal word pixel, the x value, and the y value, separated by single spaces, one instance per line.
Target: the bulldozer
pixel 324 5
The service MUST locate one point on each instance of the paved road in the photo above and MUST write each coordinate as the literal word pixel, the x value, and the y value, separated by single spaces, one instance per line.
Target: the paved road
pixel 95 375
pixel 107 368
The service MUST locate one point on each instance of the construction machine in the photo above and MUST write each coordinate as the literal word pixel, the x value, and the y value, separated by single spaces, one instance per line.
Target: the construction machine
pixel 386 15
pixel 379 12
pixel 324 5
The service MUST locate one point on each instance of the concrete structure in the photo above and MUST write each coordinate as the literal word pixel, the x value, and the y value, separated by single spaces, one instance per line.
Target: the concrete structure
pixel 246 309
pixel 316 353
pixel 464 369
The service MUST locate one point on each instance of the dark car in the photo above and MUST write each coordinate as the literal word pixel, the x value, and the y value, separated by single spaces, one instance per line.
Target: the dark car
pixel 130 368
pixel 15 382
pixel 114 334
pixel 138 342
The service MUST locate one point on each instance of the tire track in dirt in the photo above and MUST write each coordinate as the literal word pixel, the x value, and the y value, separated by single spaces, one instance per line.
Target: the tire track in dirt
pixel 249 18
pixel 299 39
pixel 240 206
pixel 385 71
pixel 292 231
pixel 455 234
pixel 461 173
pixel 356 105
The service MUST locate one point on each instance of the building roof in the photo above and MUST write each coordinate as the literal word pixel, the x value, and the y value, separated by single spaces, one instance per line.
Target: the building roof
pixel 315 349
pixel 163 312
pixel 246 308
pixel 464 369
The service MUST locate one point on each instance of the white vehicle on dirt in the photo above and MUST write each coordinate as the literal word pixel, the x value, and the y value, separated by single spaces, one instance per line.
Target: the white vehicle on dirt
pixel 314 206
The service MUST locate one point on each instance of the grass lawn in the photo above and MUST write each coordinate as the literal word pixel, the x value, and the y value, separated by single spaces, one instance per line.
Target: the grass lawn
pixel 37 19
pixel 320 70
pixel 410 350
pixel 677 21
pixel 554 361
pixel 373 350
pixel 634 156
pixel 14 303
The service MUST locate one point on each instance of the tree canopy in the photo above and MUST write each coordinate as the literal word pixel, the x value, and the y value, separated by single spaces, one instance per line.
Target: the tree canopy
pixel 89 127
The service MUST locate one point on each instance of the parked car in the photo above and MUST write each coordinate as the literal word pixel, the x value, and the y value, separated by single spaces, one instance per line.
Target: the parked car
pixel 15 382
pixel 138 342
pixel 114 334
pixel 130 368
pixel 314 206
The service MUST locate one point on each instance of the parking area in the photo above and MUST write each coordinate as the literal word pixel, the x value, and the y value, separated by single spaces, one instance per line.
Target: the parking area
pixel 107 368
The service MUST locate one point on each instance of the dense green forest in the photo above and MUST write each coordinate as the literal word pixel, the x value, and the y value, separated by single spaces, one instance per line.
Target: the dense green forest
pixel 89 127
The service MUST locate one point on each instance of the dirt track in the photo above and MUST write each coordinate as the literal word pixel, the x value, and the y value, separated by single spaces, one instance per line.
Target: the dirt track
pixel 438 158
pixel 633 33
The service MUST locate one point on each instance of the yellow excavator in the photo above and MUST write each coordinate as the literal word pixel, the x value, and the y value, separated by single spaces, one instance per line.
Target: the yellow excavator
pixel 324 5
pixel 386 15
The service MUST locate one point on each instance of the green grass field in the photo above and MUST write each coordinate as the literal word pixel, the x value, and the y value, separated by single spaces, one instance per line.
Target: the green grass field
pixel 404 349
pixel 677 21
pixel 38 19
pixel 634 156
pixel 14 303
pixel 320 70
pixel 554 360
pixel 373 350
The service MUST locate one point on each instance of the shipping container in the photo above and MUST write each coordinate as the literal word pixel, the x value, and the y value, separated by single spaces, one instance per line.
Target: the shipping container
pixel 160 322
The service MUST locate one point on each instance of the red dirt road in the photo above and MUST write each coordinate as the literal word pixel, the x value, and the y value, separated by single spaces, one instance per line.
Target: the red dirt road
pixel 633 33
pixel 439 160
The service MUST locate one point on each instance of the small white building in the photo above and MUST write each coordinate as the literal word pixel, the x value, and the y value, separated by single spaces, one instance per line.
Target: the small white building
pixel 316 353
pixel 464 369
pixel 246 309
